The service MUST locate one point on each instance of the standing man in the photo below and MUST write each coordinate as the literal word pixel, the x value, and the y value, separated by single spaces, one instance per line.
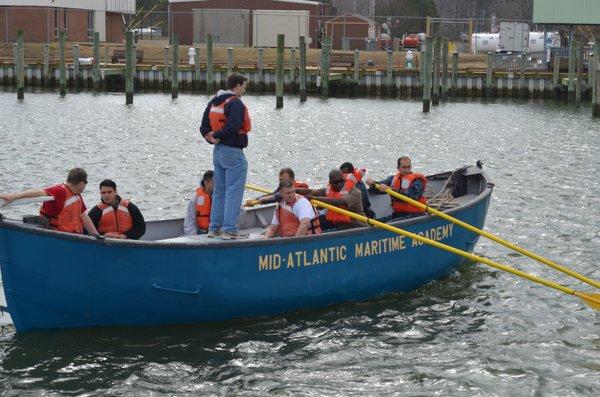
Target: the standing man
pixel 407 183
pixel 197 218
pixel 294 215
pixel 225 124
pixel 66 213
pixel 115 217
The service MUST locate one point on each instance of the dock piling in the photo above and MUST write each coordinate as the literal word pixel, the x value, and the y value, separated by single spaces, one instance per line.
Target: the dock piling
pixel 20 65
pixel 435 96
pixel 523 91
pixel 210 73
pixel 129 59
pixel 62 64
pixel 572 60
pixel 302 77
pixel 454 80
pixel 556 76
pixel 596 86
pixel 325 53
pixel 356 65
pixel 279 72
pixel 389 76
pixel 166 58
pixel 229 61
pixel 46 70
pixel 196 81
pixel 445 68
pixel 579 80
pixel 96 70
pixel 292 81
pixel 426 69
pixel 175 68
pixel 76 68
pixel 489 75
pixel 260 68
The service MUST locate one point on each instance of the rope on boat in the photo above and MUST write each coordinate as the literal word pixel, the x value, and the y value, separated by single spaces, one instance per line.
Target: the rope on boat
pixel 444 197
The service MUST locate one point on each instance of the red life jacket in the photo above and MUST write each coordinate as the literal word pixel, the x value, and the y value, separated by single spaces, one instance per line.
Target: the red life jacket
pixel 289 223
pixel 203 205
pixel 218 119
pixel 300 185
pixel 352 178
pixel 403 184
pixel 118 221
pixel 69 218
pixel 336 217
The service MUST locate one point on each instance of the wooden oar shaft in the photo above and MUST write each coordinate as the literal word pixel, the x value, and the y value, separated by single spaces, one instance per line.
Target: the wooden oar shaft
pixel 495 238
pixel 456 251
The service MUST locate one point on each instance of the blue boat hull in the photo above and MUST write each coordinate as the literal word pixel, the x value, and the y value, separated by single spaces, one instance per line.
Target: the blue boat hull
pixel 54 280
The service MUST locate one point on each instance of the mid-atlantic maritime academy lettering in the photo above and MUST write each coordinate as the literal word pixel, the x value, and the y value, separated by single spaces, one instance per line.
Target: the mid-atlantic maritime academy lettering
pixel 336 254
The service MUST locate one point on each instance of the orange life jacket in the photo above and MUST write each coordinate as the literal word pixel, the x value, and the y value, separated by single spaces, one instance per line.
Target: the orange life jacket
pixel 402 184
pixel 289 223
pixel 118 221
pixel 335 217
pixel 69 218
pixel 203 204
pixel 352 178
pixel 300 185
pixel 218 119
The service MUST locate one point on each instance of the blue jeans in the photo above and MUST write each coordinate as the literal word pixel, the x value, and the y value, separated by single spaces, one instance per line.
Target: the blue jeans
pixel 230 177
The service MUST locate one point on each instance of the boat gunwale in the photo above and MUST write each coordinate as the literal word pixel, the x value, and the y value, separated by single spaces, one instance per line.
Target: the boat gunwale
pixel 19 226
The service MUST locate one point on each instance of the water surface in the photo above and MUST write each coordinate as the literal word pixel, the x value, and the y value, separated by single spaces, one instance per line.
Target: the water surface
pixel 477 332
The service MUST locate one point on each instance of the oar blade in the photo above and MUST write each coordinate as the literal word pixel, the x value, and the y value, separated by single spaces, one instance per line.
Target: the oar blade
pixel 590 299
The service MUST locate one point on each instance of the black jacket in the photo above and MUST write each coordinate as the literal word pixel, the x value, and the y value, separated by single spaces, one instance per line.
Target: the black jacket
pixel 138 227
pixel 234 112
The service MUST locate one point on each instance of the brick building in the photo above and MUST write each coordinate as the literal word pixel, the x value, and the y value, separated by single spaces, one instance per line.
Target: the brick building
pixel 181 14
pixel 349 31
pixel 42 20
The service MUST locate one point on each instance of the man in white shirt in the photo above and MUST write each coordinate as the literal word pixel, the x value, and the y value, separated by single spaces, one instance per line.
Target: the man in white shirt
pixel 294 215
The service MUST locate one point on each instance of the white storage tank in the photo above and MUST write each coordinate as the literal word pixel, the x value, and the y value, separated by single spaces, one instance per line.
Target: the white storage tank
pixel 490 42
pixel 484 42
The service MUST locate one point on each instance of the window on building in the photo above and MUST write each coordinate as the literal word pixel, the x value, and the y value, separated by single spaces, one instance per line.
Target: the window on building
pixel 90 25
pixel 56 23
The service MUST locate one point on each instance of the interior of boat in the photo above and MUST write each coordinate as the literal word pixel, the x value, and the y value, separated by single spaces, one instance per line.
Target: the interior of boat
pixel 444 191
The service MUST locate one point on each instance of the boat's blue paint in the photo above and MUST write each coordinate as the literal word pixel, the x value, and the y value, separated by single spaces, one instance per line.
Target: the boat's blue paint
pixel 54 280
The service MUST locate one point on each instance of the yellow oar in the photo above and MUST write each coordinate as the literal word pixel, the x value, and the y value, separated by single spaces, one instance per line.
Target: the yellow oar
pixel 494 238
pixel 590 299
pixel 258 188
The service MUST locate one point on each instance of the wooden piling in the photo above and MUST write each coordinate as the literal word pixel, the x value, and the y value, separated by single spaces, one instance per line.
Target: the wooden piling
pixel 279 72
pixel 76 68
pixel 389 75
pixel 579 81
pixel 96 70
pixel 523 90
pixel 302 76
pixel 596 86
pixel 166 58
pixel 210 74
pixel 489 75
pixel 572 60
pixel 325 52
pixel 356 65
pixel 292 79
pixel 46 70
pixel 129 59
pixel 556 76
pixel 229 61
pixel 20 65
pixel 260 68
pixel 106 59
pixel 435 96
pixel 426 65
pixel 196 81
pixel 454 82
pixel 175 67
pixel 445 68
pixel 62 64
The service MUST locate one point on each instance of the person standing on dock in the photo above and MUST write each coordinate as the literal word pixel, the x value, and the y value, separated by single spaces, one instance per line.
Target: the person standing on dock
pixel 407 183
pixel 115 217
pixel 225 124
pixel 67 212
pixel 197 218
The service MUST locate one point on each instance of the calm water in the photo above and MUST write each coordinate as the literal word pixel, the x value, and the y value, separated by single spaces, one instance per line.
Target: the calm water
pixel 478 332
